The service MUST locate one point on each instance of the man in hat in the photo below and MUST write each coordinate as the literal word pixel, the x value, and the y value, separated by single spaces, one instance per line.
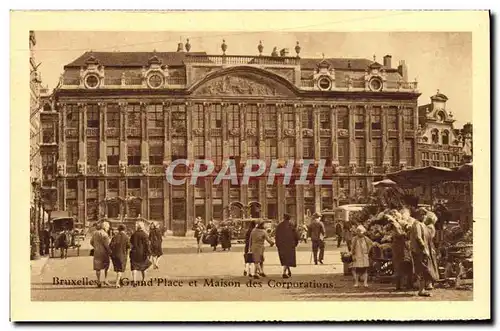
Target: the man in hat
pixel 316 232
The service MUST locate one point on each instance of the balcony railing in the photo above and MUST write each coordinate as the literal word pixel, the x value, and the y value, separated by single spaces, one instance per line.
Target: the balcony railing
pixel 112 81
pixel 155 193
pixel 112 132
pixel 176 80
pixel 71 81
pixel 359 84
pixel 216 132
pixel 307 83
pixel 71 169
pixel 133 132
pixel 133 81
pixel 199 192
pixel 156 169
pixel 91 193
pixel 92 132
pixel 156 132
pixel 70 193
pixel 135 192
pixel 241 59
pixel 134 169
pixel 71 132
pixel 92 169
pixel 113 169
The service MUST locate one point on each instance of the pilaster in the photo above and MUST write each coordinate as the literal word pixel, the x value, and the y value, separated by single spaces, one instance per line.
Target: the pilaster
pixel 334 141
pixel 299 150
pixel 401 139
pixel 167 148
pixel 189 129
pixel 317 150
pixel 243 135
pixel 144 137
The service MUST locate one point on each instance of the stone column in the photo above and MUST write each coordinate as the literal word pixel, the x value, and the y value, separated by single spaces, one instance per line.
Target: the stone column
pixel 144 142
pixel 207 107
pixel 299 150
pixel 263 196
pixel 82 131
pixel 123 135
pixel 82 199
pixel 260 130
pixel 102 162
pixel 352 137
pixel 61 189
pixel 189 129
pixel 334 141
pixel 166 205
pixel 145 197
pixel 279 131
pixel 243 152
pixel 385 136
pixel 316 135
pixel 61 163
pixel 401 138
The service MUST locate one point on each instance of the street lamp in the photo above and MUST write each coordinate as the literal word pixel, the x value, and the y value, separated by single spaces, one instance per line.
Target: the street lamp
pixel 35 249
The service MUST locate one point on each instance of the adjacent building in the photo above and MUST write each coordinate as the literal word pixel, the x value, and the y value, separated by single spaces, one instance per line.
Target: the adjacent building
pixel 120 118
pixel 35 126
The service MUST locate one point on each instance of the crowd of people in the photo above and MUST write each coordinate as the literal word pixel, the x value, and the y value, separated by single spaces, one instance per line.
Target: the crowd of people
pixel 142 249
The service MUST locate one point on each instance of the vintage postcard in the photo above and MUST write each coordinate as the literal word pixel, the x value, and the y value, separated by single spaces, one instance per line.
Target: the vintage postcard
pixel 301 166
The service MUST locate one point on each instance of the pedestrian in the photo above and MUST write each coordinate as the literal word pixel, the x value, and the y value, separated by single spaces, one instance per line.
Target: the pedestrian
pixel 139 252
pixel 225 237
pixel 44 240
pixel 155 239
pixel 348 230
pixel 199 232
pixel 119 247
pixel 430 220
pixel 213 235
pixel 247 255
pixel 316 232
pixel 420 252
pixel 401 256
pixel 338 231
pixel 100 243
pixel 257 240
pixel 287 240
pixel 361 246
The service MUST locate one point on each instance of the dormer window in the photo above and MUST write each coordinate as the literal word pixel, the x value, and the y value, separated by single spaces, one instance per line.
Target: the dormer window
pixel 440 116
pixel 376 84
pixel 435 136
pixel 324 83
pixel 91 81
pixel 446 138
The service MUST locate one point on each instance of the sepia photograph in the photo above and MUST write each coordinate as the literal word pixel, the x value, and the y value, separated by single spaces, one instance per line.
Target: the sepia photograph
pixel 252 166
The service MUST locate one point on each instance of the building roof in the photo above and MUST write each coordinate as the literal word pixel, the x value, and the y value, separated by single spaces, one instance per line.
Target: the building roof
pixel 139 59
pixel 131 59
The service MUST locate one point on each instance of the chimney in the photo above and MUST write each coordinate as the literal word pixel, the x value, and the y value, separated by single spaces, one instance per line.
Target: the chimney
pixel 284 52
pixel 403 70
pixel 180 47
pixel 387 61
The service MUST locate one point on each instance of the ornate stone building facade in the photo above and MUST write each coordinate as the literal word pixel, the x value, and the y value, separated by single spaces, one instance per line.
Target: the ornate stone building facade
pixel 35 127
pixel 124 117
pixel 439 144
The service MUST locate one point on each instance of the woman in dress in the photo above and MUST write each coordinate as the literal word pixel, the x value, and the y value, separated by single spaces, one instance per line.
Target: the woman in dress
pixel 430 220
pixel 225 237
pixel 119 246
pixel 139 252
pixel 257 238
pixel 199 231
pixel 361 245
pixel 401 256
pixel 213 235
pixel 155 238
pixel 247 255
pixel 286 241
pixel 100 243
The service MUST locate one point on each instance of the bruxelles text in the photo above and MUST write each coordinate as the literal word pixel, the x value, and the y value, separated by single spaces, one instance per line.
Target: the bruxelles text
pixel 253 168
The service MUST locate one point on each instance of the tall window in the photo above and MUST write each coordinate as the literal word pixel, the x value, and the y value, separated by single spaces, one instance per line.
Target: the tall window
pixel 408 119
pixel 376 118
pixel 324 119
pixel 92 183
pixel 113 152
pixel 156 209
pixel 234 147
pixel 156 183
pixel 156 152
pixel 252 147
pixel 217 150
pixel 233 117
pixel 134 152
pixel 325 149
pixel 216 116
pixel 289 147
pixel 179 148
pixel 360 152
pixel 445 137
pixel 251 114
pixel 270 118
pixel 359 118
pixel 72 114
pixel 71 153
pixel 198 117
pixel 71 184
pixel 435 136
pixel 377 152
pixel 178 117
pixel 271 150
pixel 134 116
pixel 343 152
pixel 308 148
pixel 113 116
pixel 155 116
pixel 199 147
pixel 392 149
pixel 134 183
pixel 392 119
pixel 113 184
pixel 92 116
pixel 343 118
pixel 410 152
pixel 288 120
pixel 49 132
pixel 92 152
pixel 307 119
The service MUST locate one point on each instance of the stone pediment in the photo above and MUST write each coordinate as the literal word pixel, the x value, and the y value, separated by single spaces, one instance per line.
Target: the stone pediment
pixel 242 84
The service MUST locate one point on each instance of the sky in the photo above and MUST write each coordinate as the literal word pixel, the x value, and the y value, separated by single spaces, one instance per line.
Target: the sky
pixel 438 60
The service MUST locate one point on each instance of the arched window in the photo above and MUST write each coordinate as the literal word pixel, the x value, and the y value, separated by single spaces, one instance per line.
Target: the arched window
pixel 435 136
pixel 446 137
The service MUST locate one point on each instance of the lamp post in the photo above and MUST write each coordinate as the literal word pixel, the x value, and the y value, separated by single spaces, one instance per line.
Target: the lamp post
pixel 35 249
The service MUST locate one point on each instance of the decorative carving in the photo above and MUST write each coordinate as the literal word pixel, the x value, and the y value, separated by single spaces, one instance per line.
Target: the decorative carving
pixel 335 168
pixel 352 168
pixel 102 167
pixel 234 132
pixel 61 168
pixel 343 132
pixel 369 168
pixel 402 166
pixel 385 168
pixel 252 132
pixel 198 131
pixel 123 168
pixel 144 167
pixel 289 132
pixel 82 168
pixel 307 132
pixel 234 85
